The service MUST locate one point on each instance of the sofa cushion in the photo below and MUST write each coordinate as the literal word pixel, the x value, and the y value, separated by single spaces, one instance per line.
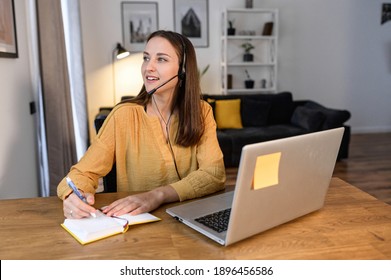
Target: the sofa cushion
pixel 227 114
pixel 333 117
pixel 254 112
pixel 281 108
pixel 307 118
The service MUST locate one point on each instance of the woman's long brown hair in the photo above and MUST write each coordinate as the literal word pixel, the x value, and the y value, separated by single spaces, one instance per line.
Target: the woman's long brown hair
pixel 187 95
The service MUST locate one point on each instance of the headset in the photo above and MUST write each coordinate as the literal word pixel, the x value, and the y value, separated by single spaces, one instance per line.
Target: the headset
pixel 182 71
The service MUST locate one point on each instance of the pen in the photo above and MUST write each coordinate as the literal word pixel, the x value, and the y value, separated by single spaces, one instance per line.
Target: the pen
pixel 77 192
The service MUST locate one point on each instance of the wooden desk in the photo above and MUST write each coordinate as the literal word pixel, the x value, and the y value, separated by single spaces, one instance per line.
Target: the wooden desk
pixel 352 225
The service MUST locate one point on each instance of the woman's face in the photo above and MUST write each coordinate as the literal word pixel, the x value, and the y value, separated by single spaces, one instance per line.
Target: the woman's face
pixel 160 64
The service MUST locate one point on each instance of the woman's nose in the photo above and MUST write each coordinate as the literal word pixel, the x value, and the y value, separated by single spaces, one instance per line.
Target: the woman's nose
pixel 150 65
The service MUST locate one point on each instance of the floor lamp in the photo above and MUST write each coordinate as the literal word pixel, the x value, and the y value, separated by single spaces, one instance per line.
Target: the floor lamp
pixel 119 52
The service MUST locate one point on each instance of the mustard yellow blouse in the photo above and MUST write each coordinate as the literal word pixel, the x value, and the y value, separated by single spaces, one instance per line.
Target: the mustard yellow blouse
pixel 135 141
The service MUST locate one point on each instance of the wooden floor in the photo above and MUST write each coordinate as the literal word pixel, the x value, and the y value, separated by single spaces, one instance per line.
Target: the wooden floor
pixel 368 166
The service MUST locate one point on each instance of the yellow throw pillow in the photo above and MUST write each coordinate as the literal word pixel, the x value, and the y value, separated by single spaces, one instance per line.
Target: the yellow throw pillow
pixel 228 114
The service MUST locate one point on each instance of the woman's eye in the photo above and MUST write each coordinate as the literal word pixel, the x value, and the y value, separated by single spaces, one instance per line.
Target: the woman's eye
pixel 146 58
pixel 162 59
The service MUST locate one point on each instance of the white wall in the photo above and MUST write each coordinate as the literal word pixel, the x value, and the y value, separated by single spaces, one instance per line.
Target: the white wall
pixel 334 52
pixel 338 54
pixel 18 151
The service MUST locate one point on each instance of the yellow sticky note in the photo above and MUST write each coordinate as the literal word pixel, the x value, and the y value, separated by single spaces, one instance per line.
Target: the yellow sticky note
pixel 266 171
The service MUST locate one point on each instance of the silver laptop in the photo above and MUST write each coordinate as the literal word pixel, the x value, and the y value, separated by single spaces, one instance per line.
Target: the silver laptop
pixel 277 181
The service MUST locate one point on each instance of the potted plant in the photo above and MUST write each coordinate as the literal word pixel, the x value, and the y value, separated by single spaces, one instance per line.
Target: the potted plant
pixel 249 83
pixel 247 56
pixel 231 30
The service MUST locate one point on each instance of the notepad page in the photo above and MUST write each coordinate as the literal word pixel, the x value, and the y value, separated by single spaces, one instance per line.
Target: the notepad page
pixel 92 228
pixel 140 218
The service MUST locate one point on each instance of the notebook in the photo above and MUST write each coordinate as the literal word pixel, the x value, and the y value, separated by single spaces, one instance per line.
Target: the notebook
pixel 92 229
pixel 277 181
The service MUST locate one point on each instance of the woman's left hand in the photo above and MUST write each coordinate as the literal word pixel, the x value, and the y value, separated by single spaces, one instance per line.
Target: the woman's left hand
pixel 142 202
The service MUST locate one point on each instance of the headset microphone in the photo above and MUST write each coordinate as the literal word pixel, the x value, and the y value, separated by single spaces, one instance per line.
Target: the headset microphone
pixel 152 91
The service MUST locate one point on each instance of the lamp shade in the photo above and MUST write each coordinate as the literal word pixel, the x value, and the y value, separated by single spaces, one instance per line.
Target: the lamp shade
pixel 121 52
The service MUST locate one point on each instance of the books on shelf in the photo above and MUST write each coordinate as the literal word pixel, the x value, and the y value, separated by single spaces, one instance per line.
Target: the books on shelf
pixel 268 29
pixel 91 229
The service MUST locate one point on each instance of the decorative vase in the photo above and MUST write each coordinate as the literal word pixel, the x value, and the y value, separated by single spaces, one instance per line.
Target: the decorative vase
pixel 263 83
pixel 249 83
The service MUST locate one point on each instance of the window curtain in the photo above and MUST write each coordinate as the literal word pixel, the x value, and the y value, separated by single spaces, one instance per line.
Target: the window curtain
pixel 63 131
pixel 73 42
pixel 32 41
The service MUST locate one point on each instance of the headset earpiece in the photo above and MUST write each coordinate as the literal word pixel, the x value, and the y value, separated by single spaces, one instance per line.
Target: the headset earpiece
pixel 182 71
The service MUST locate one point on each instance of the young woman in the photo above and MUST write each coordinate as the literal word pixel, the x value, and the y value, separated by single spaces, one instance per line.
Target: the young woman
pixel 163 141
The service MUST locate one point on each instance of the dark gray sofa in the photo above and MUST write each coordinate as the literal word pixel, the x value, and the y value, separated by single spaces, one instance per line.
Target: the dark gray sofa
pixel 272 116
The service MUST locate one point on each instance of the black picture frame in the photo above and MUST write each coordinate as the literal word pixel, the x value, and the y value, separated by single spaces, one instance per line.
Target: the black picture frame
pixel 139 20
pixel 386 13
pixel 191 19
pixel 8 39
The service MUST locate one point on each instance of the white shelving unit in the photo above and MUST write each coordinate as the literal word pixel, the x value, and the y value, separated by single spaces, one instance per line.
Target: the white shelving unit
pixel 249 25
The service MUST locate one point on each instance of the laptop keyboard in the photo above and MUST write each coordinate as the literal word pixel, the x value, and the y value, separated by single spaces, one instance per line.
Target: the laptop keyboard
pixel 218 221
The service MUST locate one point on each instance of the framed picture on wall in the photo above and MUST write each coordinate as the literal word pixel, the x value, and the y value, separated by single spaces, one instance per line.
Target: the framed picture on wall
pixel 191 19
pixel 139 20
pixel 8 40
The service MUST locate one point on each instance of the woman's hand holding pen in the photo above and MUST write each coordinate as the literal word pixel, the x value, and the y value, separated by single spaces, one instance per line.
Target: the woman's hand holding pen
pixel 75 208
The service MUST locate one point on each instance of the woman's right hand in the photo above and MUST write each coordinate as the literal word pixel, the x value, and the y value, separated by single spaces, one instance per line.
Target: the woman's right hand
pixel 75 208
